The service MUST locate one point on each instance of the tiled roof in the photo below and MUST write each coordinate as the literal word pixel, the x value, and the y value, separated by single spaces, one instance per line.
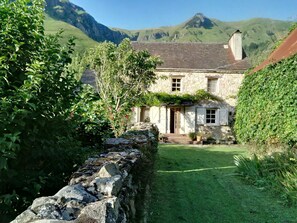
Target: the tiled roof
pixel 286 49
pixel 199 56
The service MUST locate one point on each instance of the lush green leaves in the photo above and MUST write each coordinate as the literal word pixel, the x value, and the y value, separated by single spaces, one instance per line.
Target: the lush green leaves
pixel 267 105
pixel 122 76
pixel 276 172
pixel 159 99
pixel 40 110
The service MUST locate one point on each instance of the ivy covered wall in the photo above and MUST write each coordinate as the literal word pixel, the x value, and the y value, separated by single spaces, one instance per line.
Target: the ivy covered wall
pixel 267 105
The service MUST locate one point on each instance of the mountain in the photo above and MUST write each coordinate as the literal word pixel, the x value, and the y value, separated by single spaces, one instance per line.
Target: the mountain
pixel 82 41
pixel 74 15
pixel 259 35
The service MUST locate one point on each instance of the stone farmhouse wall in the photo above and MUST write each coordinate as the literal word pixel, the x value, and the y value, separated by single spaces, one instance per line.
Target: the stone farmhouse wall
pixel 228 83
pixel 109 188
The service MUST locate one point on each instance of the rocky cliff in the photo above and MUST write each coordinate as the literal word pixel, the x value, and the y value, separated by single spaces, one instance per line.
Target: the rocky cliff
pixel 66 11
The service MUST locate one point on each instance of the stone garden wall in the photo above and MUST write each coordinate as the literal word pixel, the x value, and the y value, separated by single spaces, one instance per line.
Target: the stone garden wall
pixel 109 188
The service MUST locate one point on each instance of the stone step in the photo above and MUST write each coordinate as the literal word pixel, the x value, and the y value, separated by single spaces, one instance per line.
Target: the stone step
pixel 176 138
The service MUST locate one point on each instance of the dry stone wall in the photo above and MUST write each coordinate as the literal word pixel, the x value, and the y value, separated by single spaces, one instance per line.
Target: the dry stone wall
pixel 109 188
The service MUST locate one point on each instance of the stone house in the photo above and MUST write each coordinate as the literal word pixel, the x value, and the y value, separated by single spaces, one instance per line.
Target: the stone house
pixel 214 67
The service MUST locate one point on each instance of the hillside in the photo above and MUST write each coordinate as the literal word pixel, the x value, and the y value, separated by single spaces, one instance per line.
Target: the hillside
pixel 82 41
pixel 259 34
pixel 64 10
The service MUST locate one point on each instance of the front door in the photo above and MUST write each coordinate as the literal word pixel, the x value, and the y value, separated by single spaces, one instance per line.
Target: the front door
pixel 175 120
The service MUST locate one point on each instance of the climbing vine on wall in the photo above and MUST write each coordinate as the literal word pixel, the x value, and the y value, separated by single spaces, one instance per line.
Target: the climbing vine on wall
pixel 162 98
pixel 267 105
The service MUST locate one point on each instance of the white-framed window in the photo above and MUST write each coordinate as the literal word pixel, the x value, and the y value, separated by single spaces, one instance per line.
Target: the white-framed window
pixel 212 85
pixel 176 84
pixel 211 116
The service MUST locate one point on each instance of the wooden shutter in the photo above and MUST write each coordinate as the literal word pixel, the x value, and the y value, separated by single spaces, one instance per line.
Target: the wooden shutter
pixel 200 118
pixel 223 116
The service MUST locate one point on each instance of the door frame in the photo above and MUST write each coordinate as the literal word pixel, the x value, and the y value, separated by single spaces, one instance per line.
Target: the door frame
pixel 175 120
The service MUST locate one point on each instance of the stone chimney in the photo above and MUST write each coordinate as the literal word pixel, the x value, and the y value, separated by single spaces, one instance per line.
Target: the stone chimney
pixel 235 44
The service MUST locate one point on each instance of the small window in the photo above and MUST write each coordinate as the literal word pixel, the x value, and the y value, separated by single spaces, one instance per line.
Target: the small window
pixel 176 84
pixel 212 85
pixel 211 116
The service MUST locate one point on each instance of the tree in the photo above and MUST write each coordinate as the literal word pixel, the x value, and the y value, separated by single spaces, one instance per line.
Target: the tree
pixel 122 76
pixel 36 95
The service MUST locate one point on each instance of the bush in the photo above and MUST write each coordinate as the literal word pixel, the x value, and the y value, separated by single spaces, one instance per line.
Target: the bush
pixel 277 172
pixel 92 128
pixel 39 147
pixel 192 136
pixel 267 106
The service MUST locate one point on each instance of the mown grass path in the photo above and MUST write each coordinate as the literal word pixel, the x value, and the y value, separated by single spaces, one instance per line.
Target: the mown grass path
pixel 199 185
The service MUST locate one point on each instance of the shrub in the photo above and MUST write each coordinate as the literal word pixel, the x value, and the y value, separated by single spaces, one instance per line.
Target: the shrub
pixel 277 172
pixel 39 147
pixel 91 126
pixel 192 136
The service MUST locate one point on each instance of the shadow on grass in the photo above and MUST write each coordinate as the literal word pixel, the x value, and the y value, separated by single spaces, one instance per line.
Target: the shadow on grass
pixel 198 184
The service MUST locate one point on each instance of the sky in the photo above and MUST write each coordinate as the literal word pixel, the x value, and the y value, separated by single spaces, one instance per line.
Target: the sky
pixel 140 14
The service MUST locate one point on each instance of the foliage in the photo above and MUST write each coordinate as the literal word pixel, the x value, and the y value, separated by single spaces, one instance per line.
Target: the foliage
pixel 162 98
pixel 91 128
pixel 122 76
pixel 276 172
pixel 192 136
pixel 267 105
pixel 293 27
pixel 38 143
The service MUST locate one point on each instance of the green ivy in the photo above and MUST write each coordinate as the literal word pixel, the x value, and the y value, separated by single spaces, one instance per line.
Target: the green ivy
pixel 161 98
pixel 267 105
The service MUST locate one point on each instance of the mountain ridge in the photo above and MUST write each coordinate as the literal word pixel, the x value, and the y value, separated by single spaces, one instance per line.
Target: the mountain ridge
pixel 259 34
pixel 76 16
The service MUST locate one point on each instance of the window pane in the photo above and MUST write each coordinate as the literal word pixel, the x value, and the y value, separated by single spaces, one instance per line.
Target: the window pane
pixel 176 84
pixel 211 116
pixel 212 85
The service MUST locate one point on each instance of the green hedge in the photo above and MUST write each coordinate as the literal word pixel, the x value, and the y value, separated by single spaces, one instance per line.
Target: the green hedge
pixel 267 105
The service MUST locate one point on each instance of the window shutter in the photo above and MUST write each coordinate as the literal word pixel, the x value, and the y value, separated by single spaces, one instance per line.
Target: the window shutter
pixel 223 117
pixel 200 116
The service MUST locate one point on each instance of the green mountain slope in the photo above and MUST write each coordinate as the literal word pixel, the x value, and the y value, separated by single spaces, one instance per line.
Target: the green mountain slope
pixel 82 41
pixel 64 10
pixel 259 35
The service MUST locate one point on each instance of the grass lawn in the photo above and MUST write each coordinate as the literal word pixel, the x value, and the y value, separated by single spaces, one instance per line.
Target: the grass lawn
pixel 199 185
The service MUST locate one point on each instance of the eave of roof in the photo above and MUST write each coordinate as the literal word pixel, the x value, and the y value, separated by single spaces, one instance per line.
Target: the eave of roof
pixel 287 49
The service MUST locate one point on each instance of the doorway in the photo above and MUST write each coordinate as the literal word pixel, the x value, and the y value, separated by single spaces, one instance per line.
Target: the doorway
pixel 175 120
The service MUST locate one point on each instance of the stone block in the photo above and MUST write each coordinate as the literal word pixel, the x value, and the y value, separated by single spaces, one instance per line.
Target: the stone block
pixel 109 170
pixel 105 211
pixel 108 186
pixel 76 192
pixel 26 216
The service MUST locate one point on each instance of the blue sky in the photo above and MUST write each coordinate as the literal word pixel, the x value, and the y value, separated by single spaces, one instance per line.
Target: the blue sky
pixel 139 14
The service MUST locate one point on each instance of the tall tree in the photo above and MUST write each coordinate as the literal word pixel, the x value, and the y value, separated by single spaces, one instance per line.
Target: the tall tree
pixel 36 94
pixel 122 76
